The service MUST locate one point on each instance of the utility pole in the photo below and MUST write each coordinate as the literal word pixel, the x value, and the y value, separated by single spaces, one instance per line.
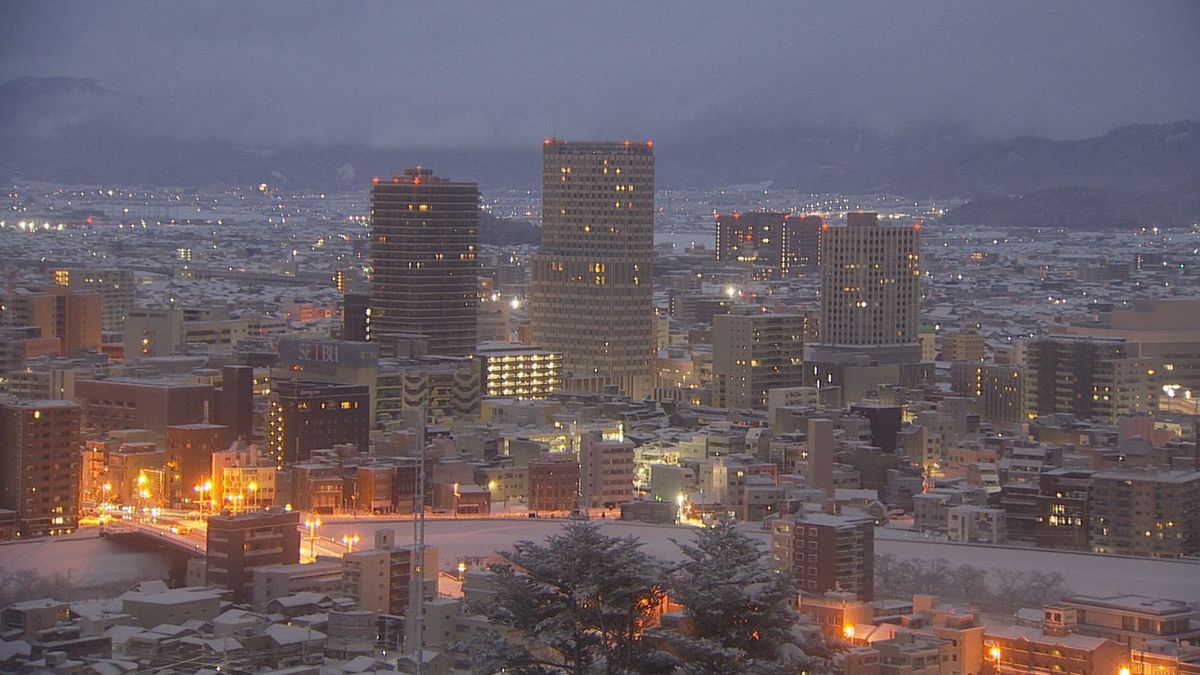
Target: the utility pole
pixel 416 600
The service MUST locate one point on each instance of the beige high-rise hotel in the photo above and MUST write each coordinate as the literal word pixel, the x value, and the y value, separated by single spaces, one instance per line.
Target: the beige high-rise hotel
pixel 590 299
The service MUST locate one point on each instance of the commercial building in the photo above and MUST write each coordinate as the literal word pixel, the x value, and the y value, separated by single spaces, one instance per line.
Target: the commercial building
pixel 781 244
pixel 190 449
pixel 826 553
pixel 424 232
pixel 518 371
pixel 554 482
pixel 870 302
pixel 445 387
pixel 590 298
pixel 238 543
pixel 606 471
pixel 335 361
pixel 234 407
pixel 40 445
pixel 303 416
pixel 1148 512
pixel 115 287
pixel 137 403
pixel 754 353
pixel 870 283
pixel 69 315
pixel 1093 378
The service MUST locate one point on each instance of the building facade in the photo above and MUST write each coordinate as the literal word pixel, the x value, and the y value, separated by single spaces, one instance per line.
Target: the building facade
pixel 827 553
pixel 754 353
pixel 590 298
pixel 40 459
pixel 424 233
pixel 303 416
pixel 239 543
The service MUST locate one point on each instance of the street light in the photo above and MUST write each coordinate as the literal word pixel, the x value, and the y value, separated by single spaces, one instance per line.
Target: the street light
pixel 253 488
pixel 349 540
pixel 994 654
pixel 312 524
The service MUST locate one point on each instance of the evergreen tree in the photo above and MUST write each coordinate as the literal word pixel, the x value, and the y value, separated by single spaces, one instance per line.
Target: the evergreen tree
pixel 739 611
pixel 576 604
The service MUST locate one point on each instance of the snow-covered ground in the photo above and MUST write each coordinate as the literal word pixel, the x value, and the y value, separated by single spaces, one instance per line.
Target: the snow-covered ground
pixel 95 563
pixel 1084 573
pixel 86 563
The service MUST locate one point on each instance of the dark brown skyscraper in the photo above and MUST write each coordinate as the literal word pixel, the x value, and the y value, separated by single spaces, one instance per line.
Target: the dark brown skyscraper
pixel 424 233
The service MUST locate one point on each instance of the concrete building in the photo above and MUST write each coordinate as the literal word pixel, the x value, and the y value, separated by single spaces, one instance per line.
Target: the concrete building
pixel 1148 512
pixel 190 449
pixel 40 445
pixel 71 316
pixel 826 553
pixel 590 298
pixel 606 471
pixel 782 244
pixel 999 389
pixel 754 353
pixel 333 361
pixel 303 416
pixel 115 287
pixel 1093 378
pixel 1063 509
pixel 238 543
pixel 976 524
pixel 554 482
pixel 137 403
pixel 518 371
pixel 380 579
pixel 445 387
pixel 1131 620
pixel 870 302
pixel 424 233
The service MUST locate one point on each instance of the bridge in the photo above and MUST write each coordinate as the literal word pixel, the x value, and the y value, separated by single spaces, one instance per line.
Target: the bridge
pixel 192 547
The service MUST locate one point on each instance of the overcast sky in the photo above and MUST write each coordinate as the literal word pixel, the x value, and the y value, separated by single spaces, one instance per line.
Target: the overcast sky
pixel 503 73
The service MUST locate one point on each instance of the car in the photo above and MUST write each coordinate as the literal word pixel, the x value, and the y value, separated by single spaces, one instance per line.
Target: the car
pixel 533 514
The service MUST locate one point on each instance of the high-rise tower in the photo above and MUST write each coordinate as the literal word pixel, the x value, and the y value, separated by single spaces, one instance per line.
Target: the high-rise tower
pixel 591 294
pixel 870 304
pixel 870 283
pixel 424 231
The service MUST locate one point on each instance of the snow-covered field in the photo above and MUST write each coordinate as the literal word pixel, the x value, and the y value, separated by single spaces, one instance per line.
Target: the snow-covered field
pixel 1084 573
pixel 95 563
pixel 86 563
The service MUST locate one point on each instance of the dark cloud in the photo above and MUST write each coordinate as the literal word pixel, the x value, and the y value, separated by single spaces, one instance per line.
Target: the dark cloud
pixel 491 74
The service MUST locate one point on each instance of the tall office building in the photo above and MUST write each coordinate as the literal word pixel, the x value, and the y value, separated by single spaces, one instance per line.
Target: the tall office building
pixel 870 283
pixel 783 244
pixel 1093 378
pixel 754 353
pixel 590 299
pixel 40 444
pixel 303 416
pixel 870 303
pixel 115 287
pixel 424 232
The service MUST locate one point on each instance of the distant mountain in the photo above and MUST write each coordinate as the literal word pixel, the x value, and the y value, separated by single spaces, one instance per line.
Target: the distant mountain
pixel 76 131
pixel 1077 208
